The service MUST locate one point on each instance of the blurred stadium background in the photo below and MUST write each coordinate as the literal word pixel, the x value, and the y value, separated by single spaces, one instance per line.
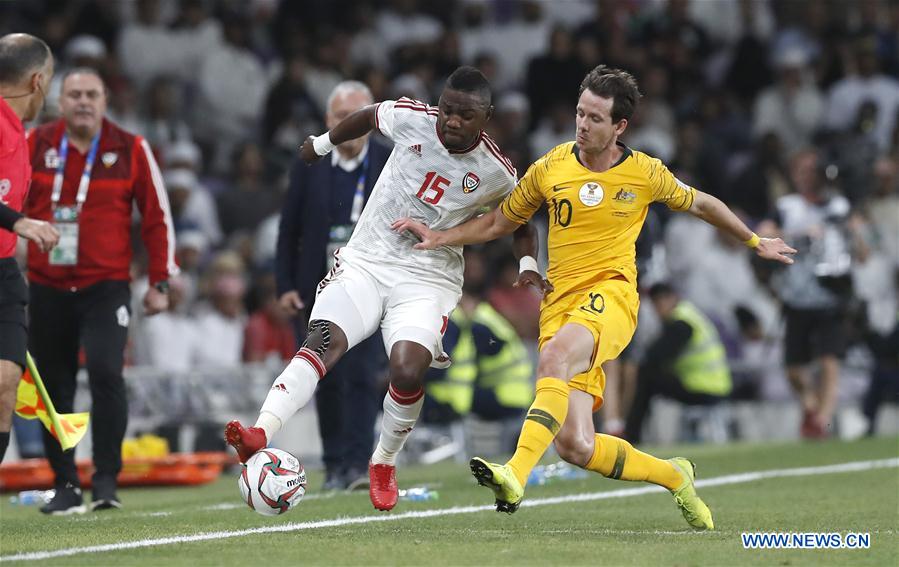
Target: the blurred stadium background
pixel 225 91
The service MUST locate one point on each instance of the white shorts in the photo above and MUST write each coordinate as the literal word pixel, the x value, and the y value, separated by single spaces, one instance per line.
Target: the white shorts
pixel 359 296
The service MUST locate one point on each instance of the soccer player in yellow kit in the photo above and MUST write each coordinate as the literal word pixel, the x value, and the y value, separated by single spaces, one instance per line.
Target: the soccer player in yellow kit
pixel 598 192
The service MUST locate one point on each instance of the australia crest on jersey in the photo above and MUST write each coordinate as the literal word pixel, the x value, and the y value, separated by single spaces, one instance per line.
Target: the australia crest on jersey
pixel 625 196
pixel 470 182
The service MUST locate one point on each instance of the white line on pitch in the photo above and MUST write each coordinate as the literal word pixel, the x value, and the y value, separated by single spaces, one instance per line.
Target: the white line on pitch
pixel 293 527
pixel 316 496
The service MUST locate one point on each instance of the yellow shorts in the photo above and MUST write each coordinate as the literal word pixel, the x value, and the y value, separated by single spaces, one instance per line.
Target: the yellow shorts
pixel 609 311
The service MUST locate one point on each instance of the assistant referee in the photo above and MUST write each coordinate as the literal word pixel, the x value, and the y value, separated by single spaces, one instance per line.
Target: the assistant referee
pixel 26 66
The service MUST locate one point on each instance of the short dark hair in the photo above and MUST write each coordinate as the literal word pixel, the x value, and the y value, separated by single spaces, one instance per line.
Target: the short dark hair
pixel 617 84
pixel 745 317
pixel 661 289
pixel 20 55
pixel 470 80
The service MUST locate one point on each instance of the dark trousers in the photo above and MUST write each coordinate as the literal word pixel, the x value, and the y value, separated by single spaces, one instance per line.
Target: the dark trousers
pixel 347 400
pixel 884 388
pixel 96 318
pixel 13 327
pixel 653 382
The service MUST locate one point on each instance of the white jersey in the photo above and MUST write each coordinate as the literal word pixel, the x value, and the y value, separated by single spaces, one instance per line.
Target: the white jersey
pixel 425 181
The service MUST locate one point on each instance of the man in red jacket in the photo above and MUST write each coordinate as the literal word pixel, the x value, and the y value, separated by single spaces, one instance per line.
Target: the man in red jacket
pixel 26 66
pixel 88 174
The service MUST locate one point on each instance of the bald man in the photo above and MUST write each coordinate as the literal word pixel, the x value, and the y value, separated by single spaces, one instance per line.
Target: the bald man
pixel 26 66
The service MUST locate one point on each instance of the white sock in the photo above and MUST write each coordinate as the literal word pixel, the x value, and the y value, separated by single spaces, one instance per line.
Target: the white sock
pixel 291 391
pixel 401 411
pixel 270 423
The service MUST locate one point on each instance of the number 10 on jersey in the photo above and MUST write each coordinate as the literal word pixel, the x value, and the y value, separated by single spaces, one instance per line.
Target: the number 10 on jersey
pixel 561 211
pixel 435 183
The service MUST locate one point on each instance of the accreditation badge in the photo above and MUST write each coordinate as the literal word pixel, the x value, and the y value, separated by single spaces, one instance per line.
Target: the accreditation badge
pixel 339 235
pixel 65 253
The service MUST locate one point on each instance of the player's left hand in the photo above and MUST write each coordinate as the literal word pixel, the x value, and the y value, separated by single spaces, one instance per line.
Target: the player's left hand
pixel 307 152
pixel 430 239
pixel 155 301
pixel 535 280
pixel 775 249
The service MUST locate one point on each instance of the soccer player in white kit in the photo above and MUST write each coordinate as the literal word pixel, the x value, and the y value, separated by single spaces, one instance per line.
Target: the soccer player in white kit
pixel 444 170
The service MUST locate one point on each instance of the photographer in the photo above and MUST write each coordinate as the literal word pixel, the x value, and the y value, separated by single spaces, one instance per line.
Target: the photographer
pixel 815 289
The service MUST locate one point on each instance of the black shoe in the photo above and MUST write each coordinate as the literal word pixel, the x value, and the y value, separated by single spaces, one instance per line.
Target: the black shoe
pixel 67 500
pixel 108 503
pixel 334 481
pixel 357 479
pixel 104 493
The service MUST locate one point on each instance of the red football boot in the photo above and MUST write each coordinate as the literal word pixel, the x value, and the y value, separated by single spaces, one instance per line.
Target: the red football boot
pixel 813 427
pixel 382 488
pixel 245 440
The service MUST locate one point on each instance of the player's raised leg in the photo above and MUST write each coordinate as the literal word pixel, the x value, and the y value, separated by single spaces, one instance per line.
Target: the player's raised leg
pixel 579 444
pixel 402 405
pixel 347 310
pixel 568 353
pixel 292 389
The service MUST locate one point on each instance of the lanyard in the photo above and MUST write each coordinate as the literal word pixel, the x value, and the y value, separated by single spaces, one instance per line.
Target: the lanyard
pixel 85 175
pixel 359 196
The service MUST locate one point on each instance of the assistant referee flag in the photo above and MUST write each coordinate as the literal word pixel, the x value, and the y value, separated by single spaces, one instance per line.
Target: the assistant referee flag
pixel 32 402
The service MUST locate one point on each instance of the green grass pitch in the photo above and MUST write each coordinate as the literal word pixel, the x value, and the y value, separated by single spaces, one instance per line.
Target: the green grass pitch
pixel 629 529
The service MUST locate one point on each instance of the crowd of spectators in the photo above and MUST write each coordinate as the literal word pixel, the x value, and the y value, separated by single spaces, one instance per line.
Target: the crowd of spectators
pixel 225 92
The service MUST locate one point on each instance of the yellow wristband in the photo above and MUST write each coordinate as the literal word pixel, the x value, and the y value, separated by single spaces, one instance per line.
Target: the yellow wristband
pixel 753 241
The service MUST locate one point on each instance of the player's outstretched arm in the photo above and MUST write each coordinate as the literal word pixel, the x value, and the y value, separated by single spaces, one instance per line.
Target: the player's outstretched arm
pixel 484 228
pixel 353 126
pixel 524 242
pixel 525 247
pixel 713 211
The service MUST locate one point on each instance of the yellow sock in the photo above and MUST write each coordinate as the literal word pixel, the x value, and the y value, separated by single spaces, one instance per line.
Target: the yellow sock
pixel 616 458
pixel 544 419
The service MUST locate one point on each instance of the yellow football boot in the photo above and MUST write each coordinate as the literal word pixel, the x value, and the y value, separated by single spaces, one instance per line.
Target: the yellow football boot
pixel 501 480
pixel 694 509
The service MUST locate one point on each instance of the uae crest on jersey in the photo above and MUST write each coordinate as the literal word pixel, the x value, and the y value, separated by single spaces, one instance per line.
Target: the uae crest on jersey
pixel 109 159
pixel 470 182
pixel 51 159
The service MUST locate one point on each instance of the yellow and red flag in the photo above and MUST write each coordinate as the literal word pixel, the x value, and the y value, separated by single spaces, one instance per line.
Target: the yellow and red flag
pixel 32 402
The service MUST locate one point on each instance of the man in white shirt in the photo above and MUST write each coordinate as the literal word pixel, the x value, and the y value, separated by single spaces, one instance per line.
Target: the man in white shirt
pixel 444 170
pixel 792 107
pixel 868 84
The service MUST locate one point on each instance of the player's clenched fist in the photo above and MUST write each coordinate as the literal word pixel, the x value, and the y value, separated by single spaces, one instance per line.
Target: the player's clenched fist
pixel 307 151
pixel 535 280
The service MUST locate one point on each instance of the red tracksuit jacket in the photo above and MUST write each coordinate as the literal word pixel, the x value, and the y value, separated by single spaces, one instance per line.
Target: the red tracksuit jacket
pixel 124 173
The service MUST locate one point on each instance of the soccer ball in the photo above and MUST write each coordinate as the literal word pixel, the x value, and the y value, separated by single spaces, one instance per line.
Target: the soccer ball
pixel 272 482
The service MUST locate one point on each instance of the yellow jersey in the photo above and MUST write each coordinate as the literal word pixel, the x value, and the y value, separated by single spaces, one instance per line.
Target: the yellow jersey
pixel 594 218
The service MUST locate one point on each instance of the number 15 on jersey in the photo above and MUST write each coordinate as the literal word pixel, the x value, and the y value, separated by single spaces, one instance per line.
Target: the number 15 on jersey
pixel 432 189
